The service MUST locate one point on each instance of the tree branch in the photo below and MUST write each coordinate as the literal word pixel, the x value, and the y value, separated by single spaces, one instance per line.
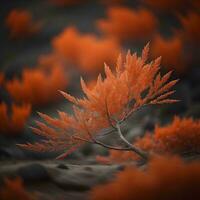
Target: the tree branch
pixel 138 151
pixel 102 144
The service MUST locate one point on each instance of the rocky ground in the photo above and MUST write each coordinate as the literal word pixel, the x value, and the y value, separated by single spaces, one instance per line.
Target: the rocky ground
pixel 58 179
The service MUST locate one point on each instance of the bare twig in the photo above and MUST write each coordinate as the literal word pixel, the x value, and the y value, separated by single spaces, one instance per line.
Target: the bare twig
pixel 132 147
pixel 94 141
pixel 112 147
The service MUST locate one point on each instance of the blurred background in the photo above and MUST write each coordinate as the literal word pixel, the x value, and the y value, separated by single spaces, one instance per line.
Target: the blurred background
pixel 47 45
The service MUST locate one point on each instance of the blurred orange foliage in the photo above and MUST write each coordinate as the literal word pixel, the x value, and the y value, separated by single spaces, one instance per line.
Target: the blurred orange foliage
pixel 171 50
pixel 12 124
pixel 191 27
pixel 181 136
pixel 38 86
pixel 14 189
pixel 127 24
pixel 21 24
pixel 163 179
pixel 50 60
pixel 85 50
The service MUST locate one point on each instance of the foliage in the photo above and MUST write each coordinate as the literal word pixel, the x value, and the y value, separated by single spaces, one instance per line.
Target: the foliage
pixel 109 103
pixel 21 24
pixel 37 86
pixel 164 178
pixel 14 189
pixel 14 123
pixel 72 45
pixel 171 59
pixel 181 136
pixel 127 24
pixel 50 60
pixel 191 31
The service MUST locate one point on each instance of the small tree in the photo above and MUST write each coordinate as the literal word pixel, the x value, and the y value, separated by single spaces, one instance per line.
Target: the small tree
pixel 133 85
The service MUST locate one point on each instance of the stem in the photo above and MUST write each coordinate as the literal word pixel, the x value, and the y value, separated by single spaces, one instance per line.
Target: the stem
pixel 138 151
pixel 94 141
pixel 112 147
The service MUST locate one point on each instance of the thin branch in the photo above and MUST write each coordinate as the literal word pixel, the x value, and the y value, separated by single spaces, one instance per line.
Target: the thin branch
pixel 129 148
pixel 133 148
pixel 102 144
pixel 112 147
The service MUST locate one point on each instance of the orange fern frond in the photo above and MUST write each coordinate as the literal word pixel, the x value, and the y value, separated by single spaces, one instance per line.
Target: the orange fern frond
pixel 21 24
pixel 38 86
pixel 127 24
pixel 107 104
pixel 14 123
